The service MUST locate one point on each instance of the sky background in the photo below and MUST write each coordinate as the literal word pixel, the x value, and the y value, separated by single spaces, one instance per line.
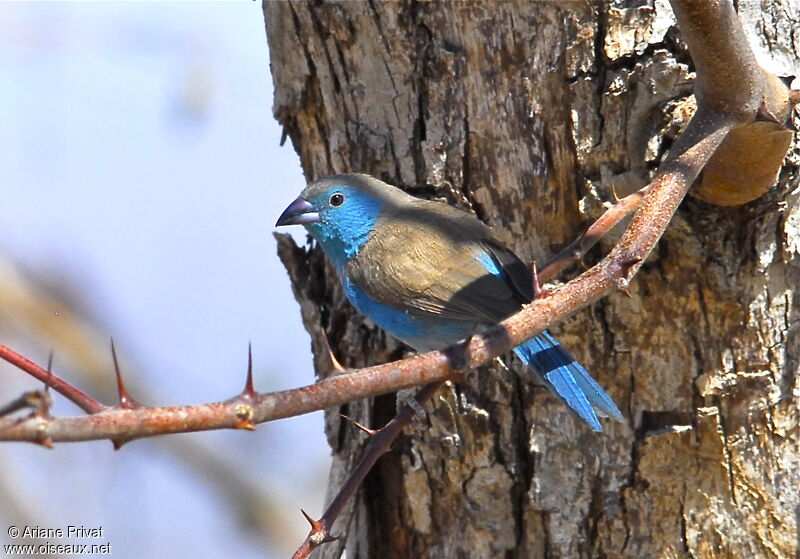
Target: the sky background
pixel 141 171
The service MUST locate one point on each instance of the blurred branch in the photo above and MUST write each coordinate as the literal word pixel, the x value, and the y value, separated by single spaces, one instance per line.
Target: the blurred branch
pixel 70 392
pixel 380 442
pixel 49 314
pixel 34 309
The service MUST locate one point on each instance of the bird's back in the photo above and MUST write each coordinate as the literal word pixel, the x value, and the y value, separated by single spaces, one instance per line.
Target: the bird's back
pixel 430 258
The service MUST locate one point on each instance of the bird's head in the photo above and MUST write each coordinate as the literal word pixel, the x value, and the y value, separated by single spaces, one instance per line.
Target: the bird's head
pixel 339 211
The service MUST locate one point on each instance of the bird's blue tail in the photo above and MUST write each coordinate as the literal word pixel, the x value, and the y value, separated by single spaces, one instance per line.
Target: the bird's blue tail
pixel 568 379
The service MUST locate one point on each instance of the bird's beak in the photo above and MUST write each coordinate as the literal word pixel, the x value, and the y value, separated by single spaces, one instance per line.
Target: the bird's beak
pixel 299 212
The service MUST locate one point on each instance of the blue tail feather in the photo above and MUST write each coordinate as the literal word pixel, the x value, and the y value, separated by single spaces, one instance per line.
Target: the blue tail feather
pixel 601 401
pixel 568 379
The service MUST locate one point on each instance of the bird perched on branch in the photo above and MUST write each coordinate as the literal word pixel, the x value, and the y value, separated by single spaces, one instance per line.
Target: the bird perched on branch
pixel 430 274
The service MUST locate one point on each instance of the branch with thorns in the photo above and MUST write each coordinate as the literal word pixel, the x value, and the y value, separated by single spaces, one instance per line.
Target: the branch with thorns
pixel 733 114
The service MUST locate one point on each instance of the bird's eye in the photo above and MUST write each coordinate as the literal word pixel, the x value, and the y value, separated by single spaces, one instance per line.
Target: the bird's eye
pixel 337 199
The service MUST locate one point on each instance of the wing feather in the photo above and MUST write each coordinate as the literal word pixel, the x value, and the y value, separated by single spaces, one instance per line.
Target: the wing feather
pixel 432 259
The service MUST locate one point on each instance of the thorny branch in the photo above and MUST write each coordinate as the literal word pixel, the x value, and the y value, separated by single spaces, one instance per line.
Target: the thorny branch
pixel 251 408
pixel 379 443
pixel 580 246
pixel 739 107
pixel 74 395
pixel 693 149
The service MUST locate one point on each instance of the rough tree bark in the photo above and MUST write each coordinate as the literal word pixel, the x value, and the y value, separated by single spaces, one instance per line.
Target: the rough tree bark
pixel 531 114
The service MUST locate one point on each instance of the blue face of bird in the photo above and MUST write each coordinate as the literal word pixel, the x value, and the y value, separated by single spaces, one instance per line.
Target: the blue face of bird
pixel 339 218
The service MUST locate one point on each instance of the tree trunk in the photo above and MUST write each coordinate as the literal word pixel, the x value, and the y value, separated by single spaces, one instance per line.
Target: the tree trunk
pixel 532 115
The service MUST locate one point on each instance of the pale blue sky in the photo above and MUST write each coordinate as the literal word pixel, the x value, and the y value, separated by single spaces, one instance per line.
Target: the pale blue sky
pixel 140 163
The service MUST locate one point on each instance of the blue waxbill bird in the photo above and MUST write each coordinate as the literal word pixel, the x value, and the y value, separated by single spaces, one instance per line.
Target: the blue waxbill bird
pixel 430 274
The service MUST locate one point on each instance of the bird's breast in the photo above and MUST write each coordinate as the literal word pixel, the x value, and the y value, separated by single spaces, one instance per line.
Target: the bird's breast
pixel 422 331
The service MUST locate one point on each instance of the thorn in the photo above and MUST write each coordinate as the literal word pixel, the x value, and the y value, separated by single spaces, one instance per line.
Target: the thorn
pixel 45 400
pixel 365 429
pixel 245 425
pixel 537 289
pixel 623 285
pixel 249 391
pixel 126 402
pixel 119 442
pixel 502 364
pixel 319 534
pixel 46 442
pixel 336 366
pixel 244 411
pixel 763 114
pixel 538 292
pixel 50 373
pixel 628 263
pixel 314 523
pixel 614 194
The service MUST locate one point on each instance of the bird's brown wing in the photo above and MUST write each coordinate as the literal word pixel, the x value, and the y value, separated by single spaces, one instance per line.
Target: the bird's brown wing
pixel 433 261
